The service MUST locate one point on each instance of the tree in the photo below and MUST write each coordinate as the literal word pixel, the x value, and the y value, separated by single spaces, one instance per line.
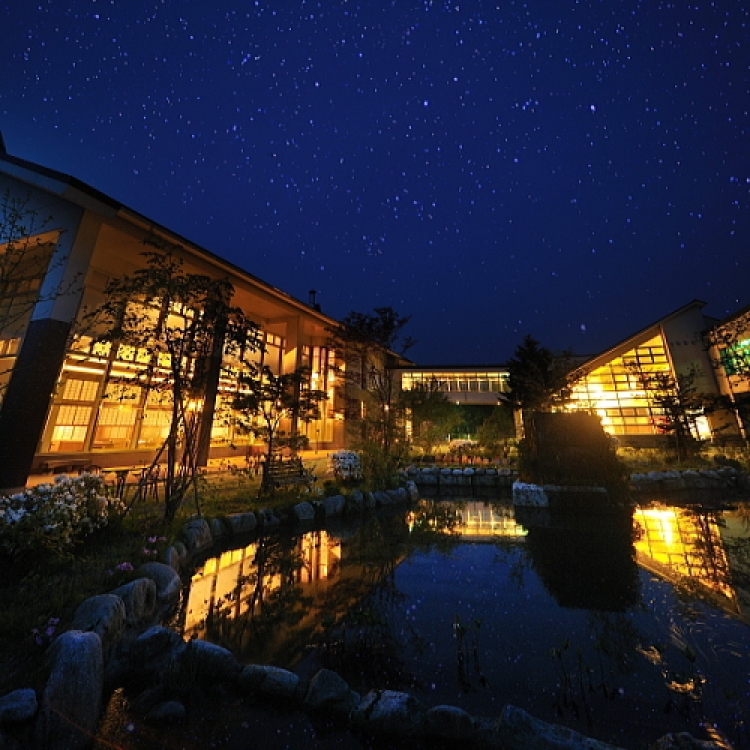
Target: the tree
pixel 176 328
pixel 539 379
pixel 370 345
pixel 265 399
pixel 493 434
pixel 433 416
pixel 675 404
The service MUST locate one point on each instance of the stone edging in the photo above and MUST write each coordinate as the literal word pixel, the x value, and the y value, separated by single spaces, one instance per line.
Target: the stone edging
pixel 117 638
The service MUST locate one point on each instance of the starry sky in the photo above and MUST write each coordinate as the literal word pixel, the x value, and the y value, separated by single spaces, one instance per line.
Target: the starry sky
pixel 569 169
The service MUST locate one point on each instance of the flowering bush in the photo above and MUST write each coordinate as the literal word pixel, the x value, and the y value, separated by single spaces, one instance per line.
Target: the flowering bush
pixel 346 465
pixel 55 516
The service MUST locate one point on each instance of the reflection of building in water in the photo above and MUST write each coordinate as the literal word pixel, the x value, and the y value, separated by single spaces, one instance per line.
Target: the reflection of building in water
pixel 477 519
pixel 227 581
pixel 483 521
pixel 685 547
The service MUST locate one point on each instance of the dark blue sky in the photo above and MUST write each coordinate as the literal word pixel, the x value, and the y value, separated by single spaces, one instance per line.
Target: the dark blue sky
pixel 573 170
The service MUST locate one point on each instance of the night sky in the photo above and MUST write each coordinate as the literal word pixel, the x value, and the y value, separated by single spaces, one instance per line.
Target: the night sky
pixel 572 170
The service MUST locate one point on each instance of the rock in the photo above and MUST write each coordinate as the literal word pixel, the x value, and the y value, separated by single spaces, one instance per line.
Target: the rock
pixel 382 498
pixel 328 691
pixel 448 723
pixel 168 583
pixel 139 598
pixel 334 506
pixel 529 495
pixel 521 731
pixel 684 741
pixel 242 523
pixel 270 681
pixel 18 706
pixel 104 615
pixel 370 500
pixel 209 662
pixel 172 558
pixel 267 519
pixel 412 490
pixel 304 511
pixel 181 550
pixel 72 699
pixel 154 650
pixel 388 712
pixel 218 529
pixel 169 712
pixel 197 535
pixel 356 500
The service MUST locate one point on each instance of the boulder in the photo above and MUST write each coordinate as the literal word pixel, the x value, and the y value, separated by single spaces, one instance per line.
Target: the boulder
pixel 267 519
pixel 271 681
pixel 104 615
pixel 18 706
pixel 209 662
pixel 388 712
pixel 382 498
pixel 172 558
pixel 304 511
pixel 218 529
pixel 181 550
pixel 521 731
pixel 334 505
pixel 154 650
pixel 72 699
pixel 242 523
pixel 168 584
pixel 139 598
pixel 448 723
pixel 356 500
pixel 196 534
pixel 328 691
pixel 370 500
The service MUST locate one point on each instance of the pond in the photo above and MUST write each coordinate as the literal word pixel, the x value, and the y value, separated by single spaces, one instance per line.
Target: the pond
pixel 623 627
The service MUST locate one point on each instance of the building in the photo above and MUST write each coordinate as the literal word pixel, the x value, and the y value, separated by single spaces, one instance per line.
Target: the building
pixel 620 384
pixel 710 357
pixel 58 408
pixel 462 384
pixel 729 350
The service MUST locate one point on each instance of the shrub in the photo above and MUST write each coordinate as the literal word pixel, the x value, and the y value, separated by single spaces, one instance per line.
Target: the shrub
pixel 346 465
pixel 53 517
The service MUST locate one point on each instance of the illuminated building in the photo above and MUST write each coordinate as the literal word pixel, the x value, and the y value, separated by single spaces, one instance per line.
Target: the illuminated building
pixel 59 407
pixel 618 384
pixel 729 342
pixel 462 385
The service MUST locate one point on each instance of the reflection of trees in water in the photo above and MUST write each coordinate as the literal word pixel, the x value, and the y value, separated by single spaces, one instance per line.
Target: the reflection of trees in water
pixel 587 562
pixel 738 551
pixel 368 629
pixel 268 598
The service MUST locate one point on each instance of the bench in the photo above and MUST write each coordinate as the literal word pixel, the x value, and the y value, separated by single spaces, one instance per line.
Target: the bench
pixel 278 474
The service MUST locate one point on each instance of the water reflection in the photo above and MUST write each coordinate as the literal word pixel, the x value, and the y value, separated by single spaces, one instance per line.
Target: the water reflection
pixel 585 562
pixel 580 621
pixel 686 546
